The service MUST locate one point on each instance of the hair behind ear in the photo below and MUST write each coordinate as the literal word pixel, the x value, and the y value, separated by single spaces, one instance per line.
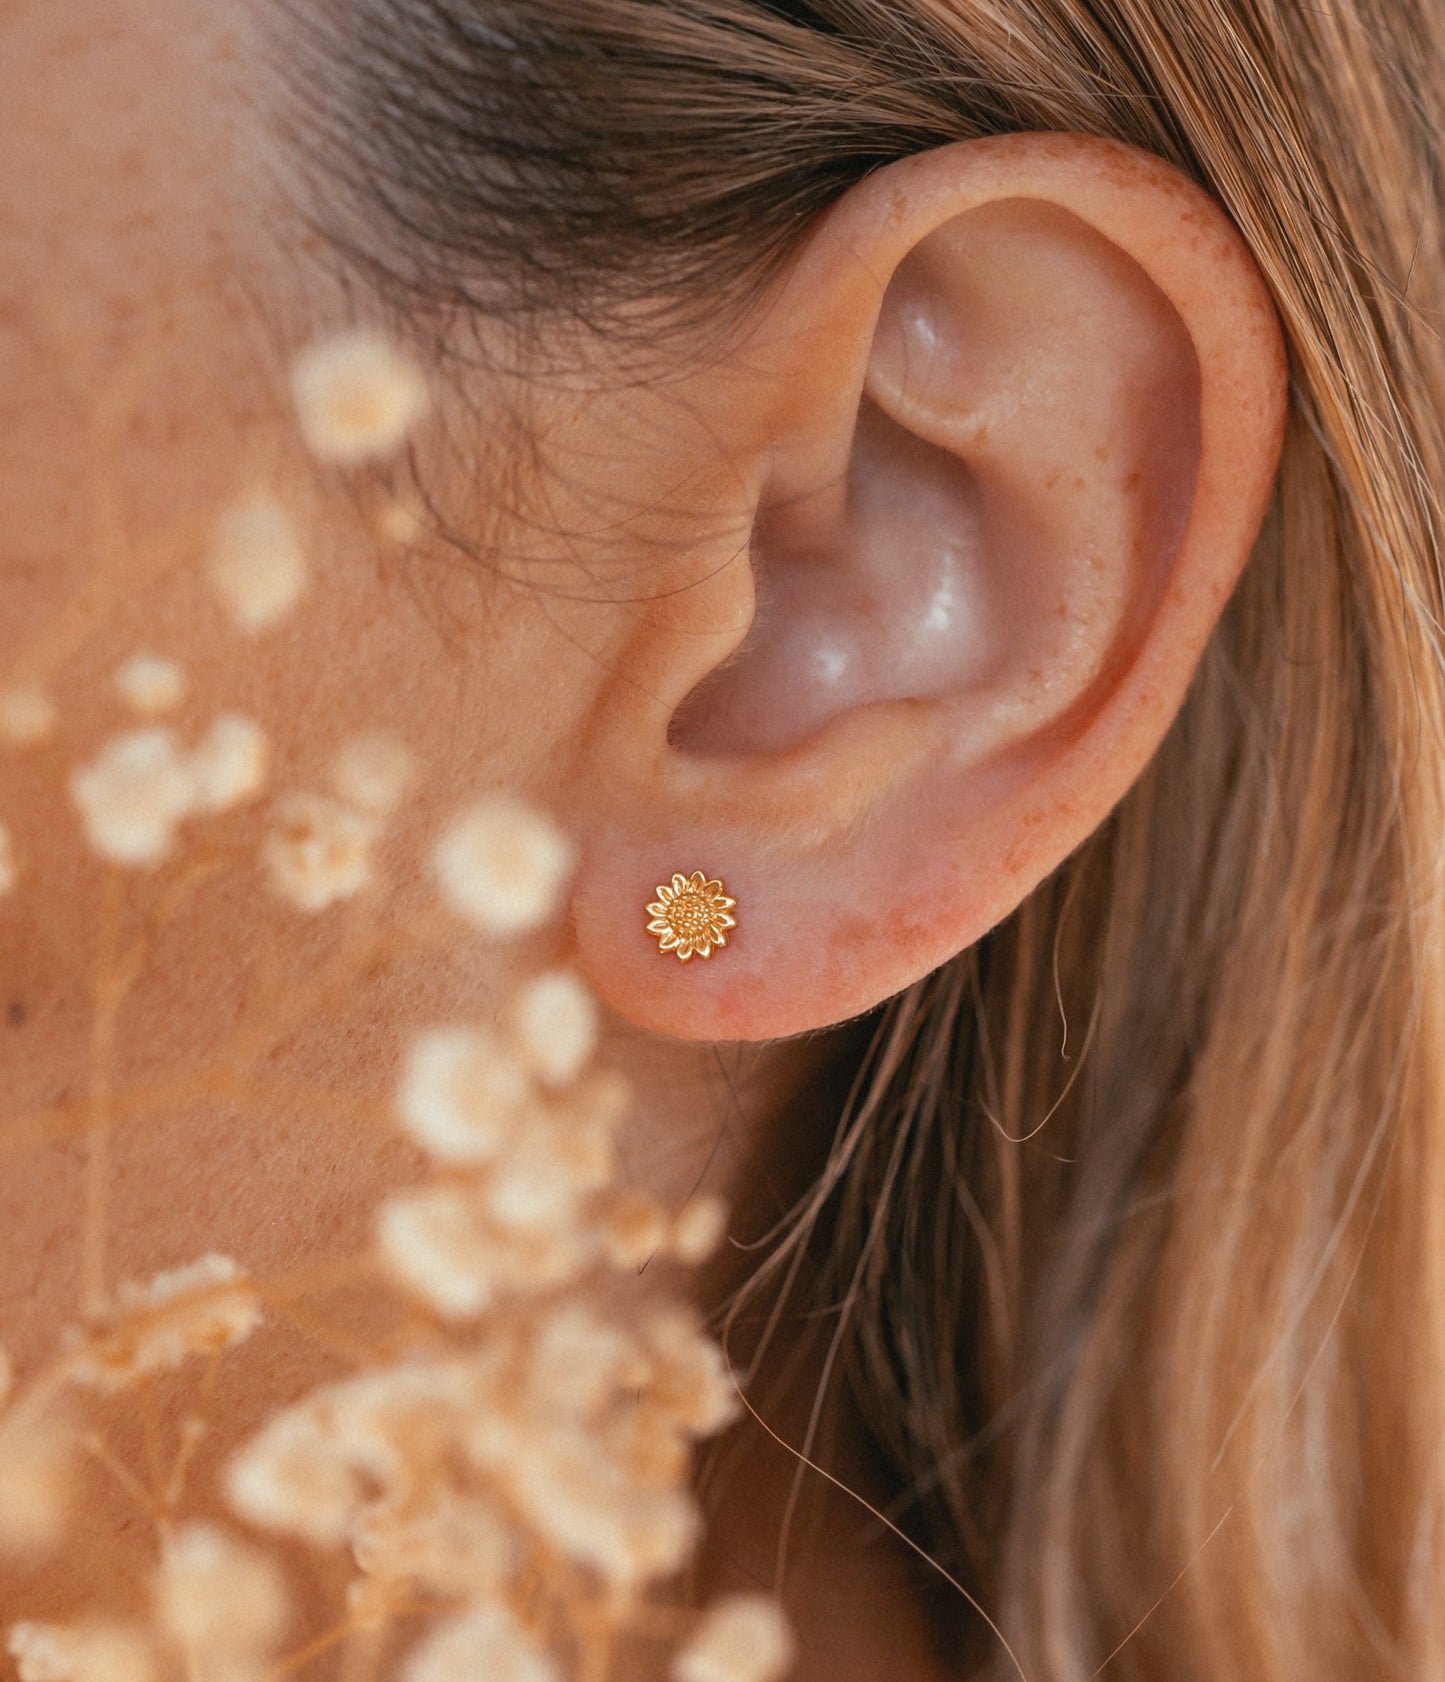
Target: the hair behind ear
pixel 1188 1239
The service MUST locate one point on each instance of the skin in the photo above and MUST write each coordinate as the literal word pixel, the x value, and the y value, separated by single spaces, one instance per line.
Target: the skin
pixel 980 609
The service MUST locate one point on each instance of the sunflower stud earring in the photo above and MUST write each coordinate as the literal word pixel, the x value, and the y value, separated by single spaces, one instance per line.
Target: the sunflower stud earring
pixel 692 916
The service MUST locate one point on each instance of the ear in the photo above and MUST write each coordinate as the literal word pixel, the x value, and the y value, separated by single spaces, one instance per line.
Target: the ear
pixel 1003 437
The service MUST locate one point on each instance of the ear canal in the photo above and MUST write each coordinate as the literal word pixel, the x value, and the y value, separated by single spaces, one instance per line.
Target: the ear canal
pixel 889 600
pixel 1020 475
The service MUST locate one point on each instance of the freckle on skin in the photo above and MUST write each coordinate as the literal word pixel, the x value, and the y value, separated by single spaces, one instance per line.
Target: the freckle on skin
pixel 16 1014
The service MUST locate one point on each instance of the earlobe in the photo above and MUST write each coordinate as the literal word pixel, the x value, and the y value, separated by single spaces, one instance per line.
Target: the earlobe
pixel 1008 430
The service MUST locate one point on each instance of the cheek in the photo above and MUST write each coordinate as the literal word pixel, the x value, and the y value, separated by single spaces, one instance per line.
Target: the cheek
pixel 132 259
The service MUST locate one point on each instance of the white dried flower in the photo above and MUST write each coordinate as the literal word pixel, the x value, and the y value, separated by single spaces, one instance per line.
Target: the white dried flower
pixel 502 865
pixel 463 1093
pixel 588 1446
pixel 36 1482
pixel 565 1152
pixel 292 1478
pixel 200 1309
pixel 742 1638
pixel 27 716
pixel 220 1600
pixel 313 1470
pixel 90 1652
pixel 229 764
pixel 357 396
pixel 256 562
pixel 486 1643
pixel 449 1544
pixel 636 1229
pixel 590 1507
pixel 373 771
pixel 698 1230
pixel 579 1361
pixel 149 685
pixel 691 1384
pixel 9 870
pixel 554 1019
pixel 441 1245
pixel 318 851
pixel 541 1180
pixel 133 794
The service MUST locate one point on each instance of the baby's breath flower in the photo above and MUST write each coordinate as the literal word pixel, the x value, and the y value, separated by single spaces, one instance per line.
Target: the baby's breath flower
pixel 443 1247
pixel 589 1507
pixel 636 1229
pixel 319 851
pixel 357 396
pixel 698 1230
pixel 200 1309
pixel 290 1477
pixel 36 1479
pixel 256 562
pixel 229 764
pixel 589 1446
pixel 554 1019
pixel 373 771
pixel 441 1541
pixel 27 716
pixel 502 865
pixel 463 1093
pixel 313 1469
pixel 487 1642
pixel 133 794
pixel 9 871
pixel 89 1652
pixel 149 685
pixel 741 1638
pixel 691 1385
pixel 579 1360
pixel 223 1602
pixel 540 1181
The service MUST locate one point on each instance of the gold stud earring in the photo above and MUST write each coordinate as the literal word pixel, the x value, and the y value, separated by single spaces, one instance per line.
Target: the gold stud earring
pixel 692 916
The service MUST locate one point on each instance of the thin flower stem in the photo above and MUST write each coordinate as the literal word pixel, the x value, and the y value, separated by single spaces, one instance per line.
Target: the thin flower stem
pixel 362 1657
pixel 193 1434
pixel 160 1099
pixel 100 1119
pixel 197 872
pixel 99 1450
pixel 151 1432
pixel 302 1656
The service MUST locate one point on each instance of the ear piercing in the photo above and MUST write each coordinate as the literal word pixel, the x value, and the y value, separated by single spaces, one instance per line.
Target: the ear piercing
pixel 691 916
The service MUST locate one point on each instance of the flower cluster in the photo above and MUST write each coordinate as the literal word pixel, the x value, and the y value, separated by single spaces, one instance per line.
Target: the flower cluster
pixel 143 784
pixel 527 1462
pixel 201 1309
pixel 506 1485
pixel 219 1609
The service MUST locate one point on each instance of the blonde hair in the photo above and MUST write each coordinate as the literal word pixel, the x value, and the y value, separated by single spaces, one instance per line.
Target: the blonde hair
pixel 1151 1305
pixel 1139 1213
